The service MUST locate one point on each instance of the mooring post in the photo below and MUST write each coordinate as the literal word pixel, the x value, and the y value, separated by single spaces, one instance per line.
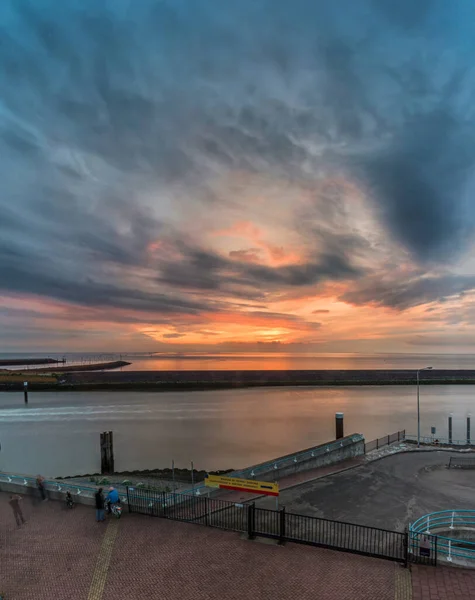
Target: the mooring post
pixel 107 453
pixel 468 430
pixel 25 391
pixel 111 453
pixel 450 428
pixel 339 425
pixel 103 454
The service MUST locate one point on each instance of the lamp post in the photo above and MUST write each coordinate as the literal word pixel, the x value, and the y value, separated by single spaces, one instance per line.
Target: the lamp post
pixel 418 406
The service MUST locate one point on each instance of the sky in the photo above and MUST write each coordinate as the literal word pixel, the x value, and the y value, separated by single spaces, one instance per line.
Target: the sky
pixel 197 175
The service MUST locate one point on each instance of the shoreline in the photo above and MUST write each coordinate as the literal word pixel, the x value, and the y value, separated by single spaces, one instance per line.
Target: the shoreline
pixel 87 380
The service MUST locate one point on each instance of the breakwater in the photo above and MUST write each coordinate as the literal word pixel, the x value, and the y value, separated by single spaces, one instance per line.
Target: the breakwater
pixel 170 380
pixel 86 379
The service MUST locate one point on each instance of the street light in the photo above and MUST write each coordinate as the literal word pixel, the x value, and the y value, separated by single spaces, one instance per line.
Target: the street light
pixel 418 406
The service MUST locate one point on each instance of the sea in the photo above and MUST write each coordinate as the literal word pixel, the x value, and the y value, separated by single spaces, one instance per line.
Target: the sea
pixel 57 433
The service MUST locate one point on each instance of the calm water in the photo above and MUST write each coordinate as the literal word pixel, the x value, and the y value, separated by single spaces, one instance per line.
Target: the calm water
pixel 58 433
pixel 263 361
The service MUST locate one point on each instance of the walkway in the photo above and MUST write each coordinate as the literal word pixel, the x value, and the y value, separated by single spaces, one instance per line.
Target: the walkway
pixel 443 583
pixel 297 479
pixel 64 554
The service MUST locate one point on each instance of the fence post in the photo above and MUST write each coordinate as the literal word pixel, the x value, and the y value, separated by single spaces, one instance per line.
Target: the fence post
pixel 282 526
pixel 435 550
pixel 398 436
pixel 128 500
pixel 164 505
pixel 406 547
pixel 251 508
pixel 206 509
pixel 377 443
pixel 388 439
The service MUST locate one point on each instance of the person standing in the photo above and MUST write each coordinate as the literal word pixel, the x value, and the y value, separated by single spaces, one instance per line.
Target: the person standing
pixel 15 504
pixel 100 516
pixel 40 484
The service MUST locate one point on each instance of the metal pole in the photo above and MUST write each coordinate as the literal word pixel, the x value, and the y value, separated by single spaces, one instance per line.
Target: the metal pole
pixel 173 476
pixel 418 414
pixel 468 430
pixel 450 428
pixel 25 390
pixel 192 478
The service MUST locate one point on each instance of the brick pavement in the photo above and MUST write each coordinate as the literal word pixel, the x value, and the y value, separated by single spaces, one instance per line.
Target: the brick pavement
pixel 442 583
pixel 157 558
pixel 52 555
pixel 65 554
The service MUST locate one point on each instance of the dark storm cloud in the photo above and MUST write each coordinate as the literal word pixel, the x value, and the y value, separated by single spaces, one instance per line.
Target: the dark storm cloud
pixel 105 101
pixel 419 184
pixel 205 270
pixel 401 294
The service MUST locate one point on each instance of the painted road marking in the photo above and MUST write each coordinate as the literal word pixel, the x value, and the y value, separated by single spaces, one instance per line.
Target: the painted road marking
pixel 99 576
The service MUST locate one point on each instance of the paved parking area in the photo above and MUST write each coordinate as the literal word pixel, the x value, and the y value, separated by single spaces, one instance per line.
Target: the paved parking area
pixel 63 554
pixel 388 493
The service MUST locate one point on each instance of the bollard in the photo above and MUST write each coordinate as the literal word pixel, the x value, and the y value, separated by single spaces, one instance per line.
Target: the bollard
pixel 25 391
pixel 468 430
pixel 450 428
pixel 339 425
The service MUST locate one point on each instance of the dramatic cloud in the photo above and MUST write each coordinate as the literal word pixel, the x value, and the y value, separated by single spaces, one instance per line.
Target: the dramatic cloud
pixel 215 173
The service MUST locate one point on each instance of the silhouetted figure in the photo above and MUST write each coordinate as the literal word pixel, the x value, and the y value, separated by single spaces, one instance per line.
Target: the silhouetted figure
pixel 40 484
pixel 15 504
pixel 100 516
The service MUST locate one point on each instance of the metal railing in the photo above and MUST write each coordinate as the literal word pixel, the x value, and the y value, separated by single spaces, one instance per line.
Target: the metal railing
pixel 398 436
pixel 52 485
pixel 275 524
pixel 446 521
pixel 435 440
pixel 255 471
pixel 462 462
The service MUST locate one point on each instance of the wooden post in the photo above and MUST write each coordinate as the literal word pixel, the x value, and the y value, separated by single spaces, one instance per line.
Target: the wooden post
pixel 107 453
pixel 111 453
pixel 103 454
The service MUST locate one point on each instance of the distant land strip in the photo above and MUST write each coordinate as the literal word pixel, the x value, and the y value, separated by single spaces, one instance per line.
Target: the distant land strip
pixel 20 362
pixel 209 380
pixel 116 364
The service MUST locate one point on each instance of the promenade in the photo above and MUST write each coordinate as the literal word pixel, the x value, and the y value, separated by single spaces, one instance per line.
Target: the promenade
pixel 62 554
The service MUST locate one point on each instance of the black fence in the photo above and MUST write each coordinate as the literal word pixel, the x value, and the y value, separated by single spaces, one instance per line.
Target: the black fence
pixel 275 524
pixel 462 462
pixel 422 548
pixel 398 436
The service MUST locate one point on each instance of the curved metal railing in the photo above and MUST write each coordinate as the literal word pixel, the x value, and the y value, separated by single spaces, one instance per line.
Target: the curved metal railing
pixel 445 520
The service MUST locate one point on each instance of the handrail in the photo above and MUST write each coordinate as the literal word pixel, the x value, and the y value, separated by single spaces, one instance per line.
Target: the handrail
pixel 431 439
pixel 446 520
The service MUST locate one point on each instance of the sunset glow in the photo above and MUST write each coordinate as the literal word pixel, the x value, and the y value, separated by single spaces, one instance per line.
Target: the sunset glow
pixel 254 177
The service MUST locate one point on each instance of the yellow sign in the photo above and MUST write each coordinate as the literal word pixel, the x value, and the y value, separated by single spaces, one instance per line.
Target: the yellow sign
pixel 243 485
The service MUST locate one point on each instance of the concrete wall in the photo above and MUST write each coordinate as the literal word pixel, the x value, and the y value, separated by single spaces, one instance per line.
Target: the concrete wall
pixel 311 458
pixel 273 470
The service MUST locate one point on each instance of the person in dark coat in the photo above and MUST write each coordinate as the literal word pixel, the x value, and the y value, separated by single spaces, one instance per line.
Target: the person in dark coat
pixel 15 504
pixel 100 515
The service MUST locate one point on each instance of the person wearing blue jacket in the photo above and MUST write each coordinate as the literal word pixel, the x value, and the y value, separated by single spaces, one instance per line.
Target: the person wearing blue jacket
pixel 112 498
